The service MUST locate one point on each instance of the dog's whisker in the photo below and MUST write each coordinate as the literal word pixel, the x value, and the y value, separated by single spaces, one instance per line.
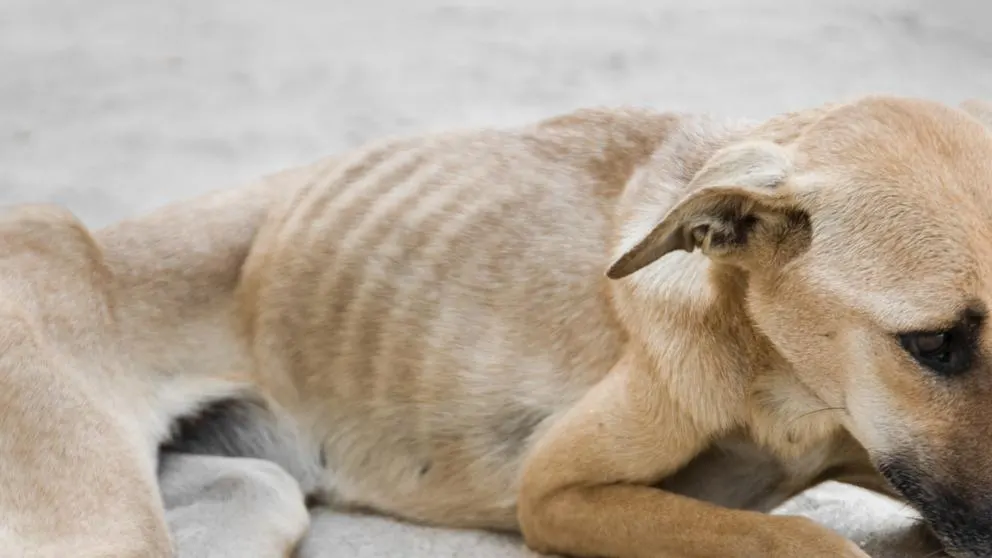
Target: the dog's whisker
pixel 814 412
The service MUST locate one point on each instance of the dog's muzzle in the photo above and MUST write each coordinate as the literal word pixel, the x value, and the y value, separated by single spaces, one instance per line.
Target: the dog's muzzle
pixel 961 518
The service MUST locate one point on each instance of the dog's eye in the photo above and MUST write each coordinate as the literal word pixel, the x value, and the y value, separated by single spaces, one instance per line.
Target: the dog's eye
pixel 945 352
pixel 933 345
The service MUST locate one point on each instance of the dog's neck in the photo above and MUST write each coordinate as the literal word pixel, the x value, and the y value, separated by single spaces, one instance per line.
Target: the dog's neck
pixel 685 301
pixel 680 281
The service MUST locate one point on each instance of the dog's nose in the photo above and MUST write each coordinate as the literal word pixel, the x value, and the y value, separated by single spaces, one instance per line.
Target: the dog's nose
pixel 958 514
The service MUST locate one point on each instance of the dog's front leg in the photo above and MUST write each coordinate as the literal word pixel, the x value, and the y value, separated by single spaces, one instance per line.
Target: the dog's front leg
pixel 585 488
pixel 231 507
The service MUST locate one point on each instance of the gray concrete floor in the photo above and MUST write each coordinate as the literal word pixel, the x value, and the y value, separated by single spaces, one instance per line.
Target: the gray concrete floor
pixel 114 106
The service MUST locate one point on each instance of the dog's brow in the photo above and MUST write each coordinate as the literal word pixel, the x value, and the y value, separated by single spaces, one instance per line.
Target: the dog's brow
pixel 968 313
pixel 899 315
pixel 890 308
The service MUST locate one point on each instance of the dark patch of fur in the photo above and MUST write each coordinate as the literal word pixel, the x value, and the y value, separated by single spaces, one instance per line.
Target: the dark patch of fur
pixel 515 428
pixel 228 427
pixel 243 427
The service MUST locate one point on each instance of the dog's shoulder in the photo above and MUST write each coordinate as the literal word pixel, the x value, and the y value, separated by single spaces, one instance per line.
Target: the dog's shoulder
pixel 608 144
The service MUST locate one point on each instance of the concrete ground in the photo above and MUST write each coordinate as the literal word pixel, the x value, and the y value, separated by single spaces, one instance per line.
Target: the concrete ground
pixel 113 107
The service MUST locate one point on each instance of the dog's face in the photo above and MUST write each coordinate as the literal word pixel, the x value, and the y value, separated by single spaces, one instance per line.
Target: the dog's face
pixel 867 240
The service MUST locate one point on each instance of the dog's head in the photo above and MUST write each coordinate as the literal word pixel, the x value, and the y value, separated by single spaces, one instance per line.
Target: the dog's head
pixel 865 234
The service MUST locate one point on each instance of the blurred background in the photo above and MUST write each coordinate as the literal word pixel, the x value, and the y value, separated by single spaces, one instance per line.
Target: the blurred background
pixel 113 107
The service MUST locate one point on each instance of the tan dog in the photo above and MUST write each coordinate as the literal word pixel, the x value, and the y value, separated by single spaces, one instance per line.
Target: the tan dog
pixel 622 333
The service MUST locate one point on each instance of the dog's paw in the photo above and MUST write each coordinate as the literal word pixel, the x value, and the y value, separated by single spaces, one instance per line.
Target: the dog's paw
pixel 800 536
pixel 231 507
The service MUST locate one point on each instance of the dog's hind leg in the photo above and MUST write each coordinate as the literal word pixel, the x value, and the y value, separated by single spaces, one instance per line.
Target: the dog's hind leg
pixel 231 507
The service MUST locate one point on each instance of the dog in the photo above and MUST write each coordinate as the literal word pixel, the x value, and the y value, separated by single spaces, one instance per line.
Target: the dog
pixel 617 332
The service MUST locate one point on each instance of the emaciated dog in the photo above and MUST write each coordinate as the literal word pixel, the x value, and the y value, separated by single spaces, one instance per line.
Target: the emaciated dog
pixel 621 333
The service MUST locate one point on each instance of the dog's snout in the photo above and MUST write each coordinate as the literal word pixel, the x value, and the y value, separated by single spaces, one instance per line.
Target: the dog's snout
pixel 958 513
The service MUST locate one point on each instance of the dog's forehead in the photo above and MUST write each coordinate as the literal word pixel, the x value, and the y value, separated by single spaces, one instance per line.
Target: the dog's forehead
pixel 917 148
pixel 900 193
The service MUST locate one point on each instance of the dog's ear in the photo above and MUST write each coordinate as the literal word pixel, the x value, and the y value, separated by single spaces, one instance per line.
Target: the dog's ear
pixel 735 196
pixel 982 110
